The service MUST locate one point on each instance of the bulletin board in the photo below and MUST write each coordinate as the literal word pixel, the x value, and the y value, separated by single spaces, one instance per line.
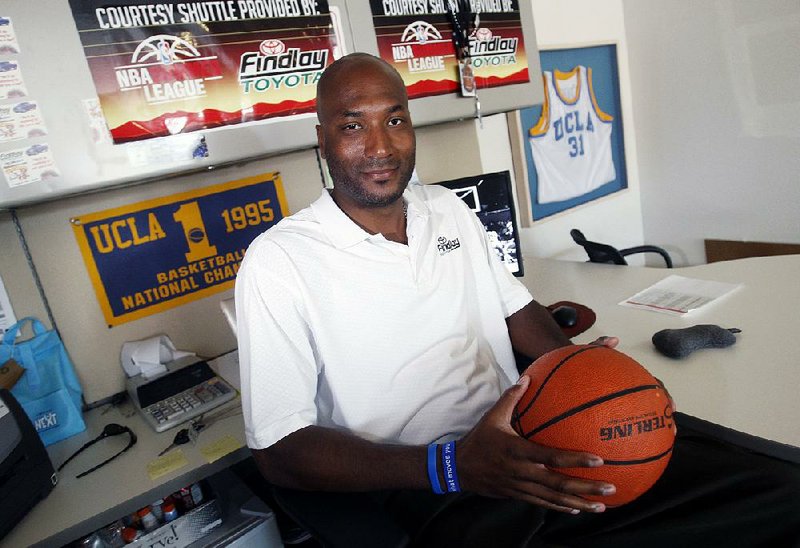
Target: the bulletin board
pixel 75 117
pixel 59 83
pixel 602 60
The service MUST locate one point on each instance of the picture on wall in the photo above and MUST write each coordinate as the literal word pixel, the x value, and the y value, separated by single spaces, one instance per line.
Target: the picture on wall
pixel 174 67
pixel 491 197
pixel 570 150
pixel 416 38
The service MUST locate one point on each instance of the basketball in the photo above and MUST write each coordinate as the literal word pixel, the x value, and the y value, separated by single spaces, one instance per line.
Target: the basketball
pixel 596 399
pixel 196 235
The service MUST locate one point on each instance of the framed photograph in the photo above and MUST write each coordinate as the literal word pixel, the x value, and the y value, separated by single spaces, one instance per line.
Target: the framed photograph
pixel 570 150
pixel 490 196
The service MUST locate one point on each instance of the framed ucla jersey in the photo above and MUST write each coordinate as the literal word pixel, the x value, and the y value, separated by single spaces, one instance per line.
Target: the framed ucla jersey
pixel 573 144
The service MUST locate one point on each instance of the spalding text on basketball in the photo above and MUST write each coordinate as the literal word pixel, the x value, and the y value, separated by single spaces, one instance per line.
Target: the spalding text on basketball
pixel 634 427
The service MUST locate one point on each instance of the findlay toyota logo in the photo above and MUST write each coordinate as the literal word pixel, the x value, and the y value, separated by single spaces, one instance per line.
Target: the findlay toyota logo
pixel 167 68
pixel 446 246
pixel 275 66
pixel 489 49
pixel 422 48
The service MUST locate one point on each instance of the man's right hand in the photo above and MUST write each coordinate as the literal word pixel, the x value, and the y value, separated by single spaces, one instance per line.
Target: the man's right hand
pixel 495 461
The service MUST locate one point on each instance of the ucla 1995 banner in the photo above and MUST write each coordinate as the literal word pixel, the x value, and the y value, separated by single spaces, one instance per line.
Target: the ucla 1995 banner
pixel 150 256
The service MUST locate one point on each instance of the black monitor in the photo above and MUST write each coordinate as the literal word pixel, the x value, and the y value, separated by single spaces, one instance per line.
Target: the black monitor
pixel 491 198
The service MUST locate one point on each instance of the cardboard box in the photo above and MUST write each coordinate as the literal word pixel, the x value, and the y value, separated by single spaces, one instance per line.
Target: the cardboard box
pixel 10 372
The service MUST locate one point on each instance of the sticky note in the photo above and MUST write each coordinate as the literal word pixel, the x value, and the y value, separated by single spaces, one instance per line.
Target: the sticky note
pixel 168 463
pixel 219 448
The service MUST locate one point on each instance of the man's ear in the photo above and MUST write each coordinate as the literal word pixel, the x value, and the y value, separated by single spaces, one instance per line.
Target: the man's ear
pixel 321 140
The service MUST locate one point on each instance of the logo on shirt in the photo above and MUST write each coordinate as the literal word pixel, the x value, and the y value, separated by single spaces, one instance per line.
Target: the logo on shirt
pixel 446 246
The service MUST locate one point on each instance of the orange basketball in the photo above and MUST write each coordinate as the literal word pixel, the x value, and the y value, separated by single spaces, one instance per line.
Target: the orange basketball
pixel 596 399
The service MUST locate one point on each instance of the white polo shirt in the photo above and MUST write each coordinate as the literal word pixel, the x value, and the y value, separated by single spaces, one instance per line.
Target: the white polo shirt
pixel 391 342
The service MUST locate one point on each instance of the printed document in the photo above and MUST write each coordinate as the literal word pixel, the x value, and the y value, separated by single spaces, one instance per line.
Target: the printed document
pixel 678 295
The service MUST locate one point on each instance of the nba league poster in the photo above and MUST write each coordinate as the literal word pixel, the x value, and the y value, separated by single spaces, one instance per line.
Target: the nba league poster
pixel 169 67
pixel 415 36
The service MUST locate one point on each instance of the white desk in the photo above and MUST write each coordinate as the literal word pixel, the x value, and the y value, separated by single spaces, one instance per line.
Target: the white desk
pixel 76 507
pixel 752 386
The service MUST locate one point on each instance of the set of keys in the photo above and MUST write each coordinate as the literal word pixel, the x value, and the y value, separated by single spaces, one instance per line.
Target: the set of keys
pixel 191 432
pixel 184 436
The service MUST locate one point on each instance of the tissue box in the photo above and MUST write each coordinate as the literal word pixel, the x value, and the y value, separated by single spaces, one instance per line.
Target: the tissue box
pixel 181 532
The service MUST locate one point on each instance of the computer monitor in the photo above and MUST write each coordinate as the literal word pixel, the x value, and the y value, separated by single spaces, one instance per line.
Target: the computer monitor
pixel 491 198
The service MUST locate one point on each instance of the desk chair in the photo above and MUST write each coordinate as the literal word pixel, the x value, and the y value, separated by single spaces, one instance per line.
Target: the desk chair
pixel 333 519
pixel 604 253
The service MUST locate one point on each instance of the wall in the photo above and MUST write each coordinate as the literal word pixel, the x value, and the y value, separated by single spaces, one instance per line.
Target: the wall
pixel 617 218
pixel 716 91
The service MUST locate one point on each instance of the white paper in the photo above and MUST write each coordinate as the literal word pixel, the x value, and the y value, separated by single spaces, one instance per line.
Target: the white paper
pixel 227 367
pixel 149 357
pixel 97 122
pixel 166 151
pixel 11 83
pixel 28 165
pixel 21 120
pixel 678 295
pixel 7 318
pixel 8 38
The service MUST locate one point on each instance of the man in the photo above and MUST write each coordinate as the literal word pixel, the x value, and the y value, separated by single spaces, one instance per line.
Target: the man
pixel 361 343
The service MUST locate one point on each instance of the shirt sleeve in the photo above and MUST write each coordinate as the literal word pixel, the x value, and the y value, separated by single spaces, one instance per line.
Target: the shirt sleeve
pixel 513 293
pixel 276 355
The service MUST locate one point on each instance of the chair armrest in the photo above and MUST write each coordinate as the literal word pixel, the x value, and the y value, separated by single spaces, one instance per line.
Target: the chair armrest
pixel 648 249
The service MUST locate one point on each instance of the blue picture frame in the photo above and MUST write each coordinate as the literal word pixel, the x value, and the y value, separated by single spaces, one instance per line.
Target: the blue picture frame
pixel 602 60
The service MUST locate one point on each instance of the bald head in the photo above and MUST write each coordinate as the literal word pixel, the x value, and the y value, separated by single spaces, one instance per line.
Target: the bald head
pixel 349 70
pixel 365 132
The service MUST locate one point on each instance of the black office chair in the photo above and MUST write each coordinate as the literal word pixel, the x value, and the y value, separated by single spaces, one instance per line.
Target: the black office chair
pixel 604 253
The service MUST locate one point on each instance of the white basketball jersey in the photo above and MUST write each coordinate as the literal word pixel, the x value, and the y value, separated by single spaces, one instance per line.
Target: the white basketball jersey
pixel 571 143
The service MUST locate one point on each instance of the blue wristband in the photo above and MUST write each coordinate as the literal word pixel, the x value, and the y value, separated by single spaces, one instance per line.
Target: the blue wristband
pixel 449 467
pixel 433 474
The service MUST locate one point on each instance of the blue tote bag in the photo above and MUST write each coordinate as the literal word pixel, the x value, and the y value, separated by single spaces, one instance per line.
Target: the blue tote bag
pixel 48 391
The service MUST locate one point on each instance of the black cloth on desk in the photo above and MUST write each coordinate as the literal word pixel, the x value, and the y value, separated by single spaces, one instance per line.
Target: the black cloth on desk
pixel 714 493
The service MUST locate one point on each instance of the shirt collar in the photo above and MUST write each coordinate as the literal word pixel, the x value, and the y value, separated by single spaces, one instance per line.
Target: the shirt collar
pixel 412 196
pixel 337 226
pixel 343 232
